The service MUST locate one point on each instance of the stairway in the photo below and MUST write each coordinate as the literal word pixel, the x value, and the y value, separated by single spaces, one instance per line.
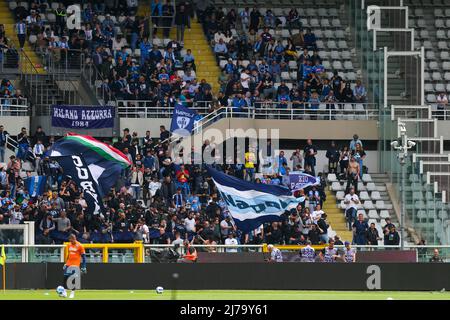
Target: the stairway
pixel 335 217
pixel 195 40
pixel 44 92
pixel 7 18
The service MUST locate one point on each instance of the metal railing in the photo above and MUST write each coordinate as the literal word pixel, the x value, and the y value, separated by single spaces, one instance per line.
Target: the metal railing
pixel 6 63
pixel 63 61
pixel 440 114
pixel 31 78
pixel 261 110
pixel 55 253
pixel 98 84
pixel 147 109
pixel 12 110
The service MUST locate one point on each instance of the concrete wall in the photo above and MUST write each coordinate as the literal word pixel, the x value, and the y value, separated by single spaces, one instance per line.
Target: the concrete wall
pixel 141 125
pixel 289 129
pixel 239 276
pixel 14 124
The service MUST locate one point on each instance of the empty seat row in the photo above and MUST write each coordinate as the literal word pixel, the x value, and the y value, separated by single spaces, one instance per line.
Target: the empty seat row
pixel 365 177
pixel 336 186
pixel 363 195
pixel 369 205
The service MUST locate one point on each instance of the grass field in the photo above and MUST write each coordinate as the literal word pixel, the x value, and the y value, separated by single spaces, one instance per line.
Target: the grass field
pixel 224 295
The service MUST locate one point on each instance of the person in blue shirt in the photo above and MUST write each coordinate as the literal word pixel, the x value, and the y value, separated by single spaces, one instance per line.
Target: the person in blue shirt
pixel 122 54
pixel 157 11
pixel 359 92
pixel 220 49
pixel 307 69
pixel 263 67
pixel 279 51
pixel 314 103
pixel 145 46
pixel 238 103
pixel 360 228
pixel 230 67
pixel 194 201
pixel 310 40
pixel 281 162
pixel 284 100
pixel 318 68
pixel 155 55
pixel 163 75
pixel 189 60
pixel 326 88
pixel 275 70
pixel 252 66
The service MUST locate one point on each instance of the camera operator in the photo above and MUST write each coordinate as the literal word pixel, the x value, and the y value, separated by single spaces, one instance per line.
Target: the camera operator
pixel 353 174
pixel 352 201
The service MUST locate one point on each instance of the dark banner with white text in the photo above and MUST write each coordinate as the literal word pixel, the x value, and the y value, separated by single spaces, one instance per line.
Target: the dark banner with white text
pixel 83 117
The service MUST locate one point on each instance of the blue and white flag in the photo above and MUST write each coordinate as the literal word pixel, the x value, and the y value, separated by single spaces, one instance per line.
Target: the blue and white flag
pixel 300 180
pixel 182 120
pixel 36 185
pixel 252 204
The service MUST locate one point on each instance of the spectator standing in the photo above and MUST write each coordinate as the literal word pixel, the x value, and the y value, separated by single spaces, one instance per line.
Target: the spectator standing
pixel 250 160
pixel 231 241
pixel 344 159
pixel 353 172
pixel 296 159
pixel 372 235
pixel 310 152
pixel 3 137
pixel 359 154
pixel 354 142
pixel 333 158
pixel 360 228
pixel 181 21
pixel 442 102
pixel 352 201
pixel 21 30
pixel 392 238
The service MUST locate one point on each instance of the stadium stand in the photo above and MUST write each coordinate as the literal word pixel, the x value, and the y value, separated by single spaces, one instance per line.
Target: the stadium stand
pixel 231 54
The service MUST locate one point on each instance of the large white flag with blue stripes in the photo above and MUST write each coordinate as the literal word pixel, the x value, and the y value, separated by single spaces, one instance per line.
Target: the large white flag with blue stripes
pixel 252 204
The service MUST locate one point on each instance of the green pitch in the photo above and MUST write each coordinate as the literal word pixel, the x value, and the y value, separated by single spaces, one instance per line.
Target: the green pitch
pixel 223 295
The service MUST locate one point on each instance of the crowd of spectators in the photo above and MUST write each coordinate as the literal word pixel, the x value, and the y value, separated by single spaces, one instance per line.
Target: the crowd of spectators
pixel 256 60
pixel 132 67
pixel 116 41
pixel 9 95
pixel 157 200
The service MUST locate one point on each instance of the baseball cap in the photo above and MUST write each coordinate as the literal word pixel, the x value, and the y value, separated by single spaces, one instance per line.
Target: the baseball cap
pixel 346 243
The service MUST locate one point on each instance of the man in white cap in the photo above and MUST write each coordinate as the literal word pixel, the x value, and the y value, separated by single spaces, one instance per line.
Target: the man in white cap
pixel 275 254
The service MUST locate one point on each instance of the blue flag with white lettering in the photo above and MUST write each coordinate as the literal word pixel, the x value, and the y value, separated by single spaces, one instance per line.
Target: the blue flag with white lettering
pixel 252 204
pixel 300 180
pixel 182 120
pixel 36 185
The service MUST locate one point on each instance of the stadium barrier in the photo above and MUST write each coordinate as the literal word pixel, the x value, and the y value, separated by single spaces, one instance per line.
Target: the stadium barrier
pixel 260 110
pixel 238 276
pixel 137 247
pixel 9 108
pixel 126 252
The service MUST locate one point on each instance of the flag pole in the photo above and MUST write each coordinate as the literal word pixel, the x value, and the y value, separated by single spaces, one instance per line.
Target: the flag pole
pixel 4 277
